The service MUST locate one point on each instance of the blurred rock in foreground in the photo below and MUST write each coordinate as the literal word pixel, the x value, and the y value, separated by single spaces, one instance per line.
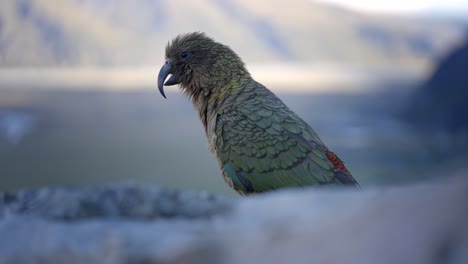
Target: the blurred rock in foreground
pixel 128 223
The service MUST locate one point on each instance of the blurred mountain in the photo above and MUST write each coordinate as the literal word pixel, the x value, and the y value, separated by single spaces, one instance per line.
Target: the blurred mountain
pixel 130 33
pixel 441 102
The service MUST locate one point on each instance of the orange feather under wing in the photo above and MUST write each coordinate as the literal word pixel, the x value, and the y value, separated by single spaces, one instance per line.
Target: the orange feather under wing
pixel 342 173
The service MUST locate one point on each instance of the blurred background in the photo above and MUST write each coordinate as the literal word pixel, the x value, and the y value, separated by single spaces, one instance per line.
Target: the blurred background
pixel 384 85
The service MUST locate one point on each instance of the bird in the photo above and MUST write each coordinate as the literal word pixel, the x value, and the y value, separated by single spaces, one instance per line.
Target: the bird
pixel 261 145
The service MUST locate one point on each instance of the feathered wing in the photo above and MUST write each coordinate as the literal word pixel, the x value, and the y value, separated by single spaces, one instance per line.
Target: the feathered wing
pixel 262 145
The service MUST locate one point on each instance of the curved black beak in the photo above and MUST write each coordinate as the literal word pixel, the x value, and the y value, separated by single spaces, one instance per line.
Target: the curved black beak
pixel 166 69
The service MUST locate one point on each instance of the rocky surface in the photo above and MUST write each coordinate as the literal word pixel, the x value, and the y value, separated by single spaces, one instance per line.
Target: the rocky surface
pixel 129 223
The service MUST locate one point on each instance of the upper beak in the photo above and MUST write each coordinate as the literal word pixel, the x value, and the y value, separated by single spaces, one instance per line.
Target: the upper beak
pixel 166 69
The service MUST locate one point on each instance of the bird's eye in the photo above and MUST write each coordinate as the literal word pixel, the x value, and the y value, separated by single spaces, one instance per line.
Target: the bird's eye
pixel 184 55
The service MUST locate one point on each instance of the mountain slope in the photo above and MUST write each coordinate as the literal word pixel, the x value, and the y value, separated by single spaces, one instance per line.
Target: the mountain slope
pixel 129 33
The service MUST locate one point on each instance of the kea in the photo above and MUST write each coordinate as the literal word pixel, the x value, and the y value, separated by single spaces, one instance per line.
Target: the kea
pixel 260 143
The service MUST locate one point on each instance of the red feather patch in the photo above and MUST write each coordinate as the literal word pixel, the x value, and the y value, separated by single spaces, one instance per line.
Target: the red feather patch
pixel 341 172
pixel 337 162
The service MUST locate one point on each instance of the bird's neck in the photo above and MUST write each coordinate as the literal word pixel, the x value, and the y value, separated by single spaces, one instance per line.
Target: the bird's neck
pixel 216 99
pixel 214 95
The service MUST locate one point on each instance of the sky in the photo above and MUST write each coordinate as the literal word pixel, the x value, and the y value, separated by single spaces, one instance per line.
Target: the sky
pixel 396 6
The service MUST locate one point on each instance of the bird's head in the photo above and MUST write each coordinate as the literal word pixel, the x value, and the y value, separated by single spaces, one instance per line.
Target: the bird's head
pixel 199 64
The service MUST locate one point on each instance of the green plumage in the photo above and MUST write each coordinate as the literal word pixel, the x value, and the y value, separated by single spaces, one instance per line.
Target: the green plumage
pixel 260 143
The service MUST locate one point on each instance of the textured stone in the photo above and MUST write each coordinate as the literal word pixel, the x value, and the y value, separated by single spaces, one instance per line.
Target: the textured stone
pixel 128 223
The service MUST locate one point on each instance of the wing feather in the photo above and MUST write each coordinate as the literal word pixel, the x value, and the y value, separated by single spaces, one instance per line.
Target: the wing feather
pixel 262 149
